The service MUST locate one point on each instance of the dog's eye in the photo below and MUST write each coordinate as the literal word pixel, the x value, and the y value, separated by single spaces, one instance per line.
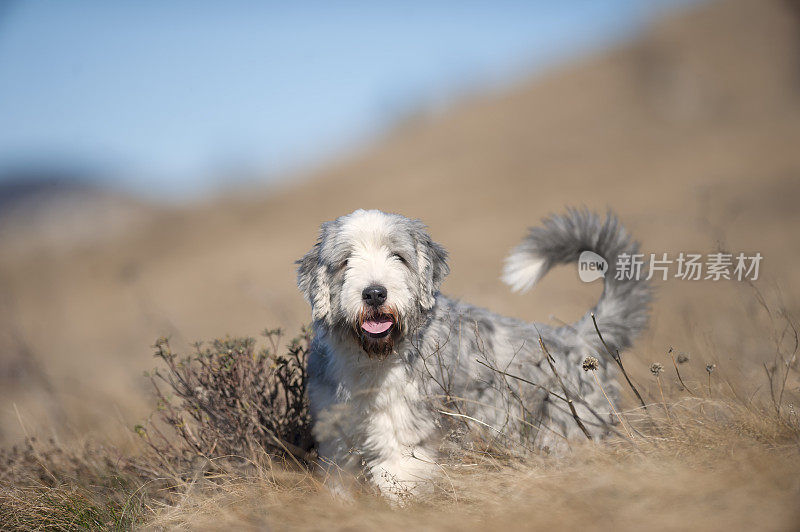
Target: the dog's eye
pixel 400 258
pixel 343 265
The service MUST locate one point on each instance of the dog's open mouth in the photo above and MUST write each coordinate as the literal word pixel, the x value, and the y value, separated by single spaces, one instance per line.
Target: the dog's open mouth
pixel 378 326
pixel 377 329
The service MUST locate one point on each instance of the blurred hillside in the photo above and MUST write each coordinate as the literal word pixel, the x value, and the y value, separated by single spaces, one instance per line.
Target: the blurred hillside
pixel 690 133
pixel 59 213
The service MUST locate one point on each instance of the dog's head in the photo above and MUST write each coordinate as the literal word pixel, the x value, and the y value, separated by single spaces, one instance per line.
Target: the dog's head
pixel 371 276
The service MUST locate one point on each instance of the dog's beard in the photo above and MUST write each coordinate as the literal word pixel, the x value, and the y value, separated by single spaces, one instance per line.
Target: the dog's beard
pixel 377 329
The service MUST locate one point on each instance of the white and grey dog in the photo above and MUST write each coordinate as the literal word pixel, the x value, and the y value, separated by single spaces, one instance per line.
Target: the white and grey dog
pixel 390 354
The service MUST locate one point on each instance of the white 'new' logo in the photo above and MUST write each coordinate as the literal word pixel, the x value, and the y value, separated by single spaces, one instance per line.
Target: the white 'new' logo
pixel 591 266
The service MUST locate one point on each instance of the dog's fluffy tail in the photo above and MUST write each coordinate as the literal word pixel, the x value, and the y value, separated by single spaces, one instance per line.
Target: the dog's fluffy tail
pixel 622 310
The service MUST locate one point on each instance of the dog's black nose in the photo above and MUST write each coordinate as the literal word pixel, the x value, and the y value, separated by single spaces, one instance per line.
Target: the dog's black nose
pixel 374 295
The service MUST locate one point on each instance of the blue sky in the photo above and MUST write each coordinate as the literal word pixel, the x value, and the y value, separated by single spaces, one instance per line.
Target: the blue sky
pixel 165 96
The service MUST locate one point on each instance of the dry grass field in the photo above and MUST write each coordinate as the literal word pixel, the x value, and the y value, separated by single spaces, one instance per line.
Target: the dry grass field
pixel 690 133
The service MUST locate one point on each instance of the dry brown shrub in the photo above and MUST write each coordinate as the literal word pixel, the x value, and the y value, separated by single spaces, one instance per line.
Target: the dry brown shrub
pixel 227 412
pixel 230 403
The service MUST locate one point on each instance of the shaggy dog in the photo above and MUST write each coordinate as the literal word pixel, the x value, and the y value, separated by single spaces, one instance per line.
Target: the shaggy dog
pixel 392 359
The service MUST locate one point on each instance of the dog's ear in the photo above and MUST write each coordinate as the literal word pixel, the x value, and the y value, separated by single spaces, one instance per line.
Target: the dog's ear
pixel 313 282
pixel 431 265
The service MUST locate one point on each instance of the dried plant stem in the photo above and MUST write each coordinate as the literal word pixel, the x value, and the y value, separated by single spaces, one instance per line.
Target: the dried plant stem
pixel 618 359
pixel 624 425
pixel 789 323
pixel 478 421
pixel 564 390
pixel 674 363
pixel 521 379
pixel 663 401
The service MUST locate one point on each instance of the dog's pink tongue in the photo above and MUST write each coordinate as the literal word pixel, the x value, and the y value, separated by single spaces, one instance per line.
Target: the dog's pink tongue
pixel 377 326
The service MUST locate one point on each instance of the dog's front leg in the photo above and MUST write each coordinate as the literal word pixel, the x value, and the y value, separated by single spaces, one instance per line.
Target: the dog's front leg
pixel 408 471
pixel 335 430
pixel 341 468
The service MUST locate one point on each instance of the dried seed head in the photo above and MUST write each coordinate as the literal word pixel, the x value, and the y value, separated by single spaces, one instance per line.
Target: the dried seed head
pixel 656 369
pixel 590 363
pixel 683 358
pixel 710 367
pixel 162 341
